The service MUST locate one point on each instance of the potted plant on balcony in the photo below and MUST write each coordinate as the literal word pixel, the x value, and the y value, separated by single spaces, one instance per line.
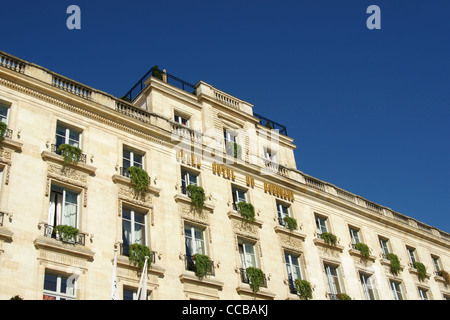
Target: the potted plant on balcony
pixel 246 210
pixel 71 154
pixel 197 195
pixel 444 274
pixel 139 178
pixel 303 288
pixel 67 233
pixel 291 223
pixel 137 255
pixel 157 73
pixel 395 263
pixel 363 249
pixel 421 269
pixel 3 128
pixel 202 264
pixel 255 278
pixel 329 238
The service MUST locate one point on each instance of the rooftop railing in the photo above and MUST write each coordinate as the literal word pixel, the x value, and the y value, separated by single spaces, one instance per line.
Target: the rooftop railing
pixel 270 124
pixel 161 75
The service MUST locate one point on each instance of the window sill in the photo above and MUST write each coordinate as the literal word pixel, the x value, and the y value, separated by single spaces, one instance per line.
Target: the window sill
pixel 357 253
pixel 283 230
pixel 49 156
pixel 127 181
pixel 190 277
pixel 322 243
pixel 43 242
pixel 233 214
pixel 261 294
pixel 123 261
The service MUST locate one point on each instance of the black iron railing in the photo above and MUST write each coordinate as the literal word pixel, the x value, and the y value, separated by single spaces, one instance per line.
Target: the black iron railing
pixel 8 134
pixel 1 218
pixel 50 232
pixel 190 266
pixel 163 76
pixel 246 279
pixel 270 124
pixel 54 149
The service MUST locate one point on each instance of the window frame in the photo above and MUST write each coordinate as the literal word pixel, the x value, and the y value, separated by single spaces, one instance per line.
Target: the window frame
pixel 132 221
pixel 319 219
pixel 193 239
pixel 385 246
pixel 411 255
pixel 67 131
pixel 355 236
pixel 58 295
pixel 281 214
pixel 55 218
pixel 235 190
pixel 396 287
pixel 5 117
pixel 335 286
pixel 244 255
pixel 186 181
pixel 368 285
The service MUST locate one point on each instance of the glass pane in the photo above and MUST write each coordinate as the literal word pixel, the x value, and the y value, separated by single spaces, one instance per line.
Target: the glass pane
pixel 126 214
pixel 128 294
pixel 50 282
pixel 139 218
pixel 137 160
pixel 126 233
pixel 139 234
pixel 74 138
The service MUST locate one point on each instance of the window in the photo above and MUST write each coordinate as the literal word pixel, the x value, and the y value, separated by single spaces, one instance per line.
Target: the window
pixel 247 254
pixel 133 229
pixel 182 120
pixel 293 269
pixel 411 255
pixel 4 113
pixel 368 286
pixel 188 178
pixel 1 179
pixel 230 137
pixel 269 154
pixel 283 211
pixel 384 244
pixel 59 287
pixel 321 224
pixel 63 209
pixel 423 294
pixel 239 195
pixel 332 277
pixel 397 290
pixel 131 294
pixel 436 263
pixel 354 235
pixel 66 135
pixel 194 238
pixel 131 159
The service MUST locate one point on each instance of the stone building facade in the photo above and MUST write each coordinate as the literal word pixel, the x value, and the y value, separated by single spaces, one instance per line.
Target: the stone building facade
pixel 183 134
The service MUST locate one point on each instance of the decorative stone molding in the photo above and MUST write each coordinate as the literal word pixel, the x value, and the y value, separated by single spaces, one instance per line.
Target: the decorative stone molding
pixel 242 227
pixel 291 240
pixel 62 253
pixel 69 168
pixel 247 293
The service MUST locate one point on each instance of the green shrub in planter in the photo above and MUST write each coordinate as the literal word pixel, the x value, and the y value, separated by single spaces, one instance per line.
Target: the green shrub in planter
pixel 137 254
pixel 67 233
pixel 343 296
pixel 202 264
pixel 157 73
pixel 304 289
pixel 71 154
pixel 139 178
pixel 329 238
pixel 364 249
pixel 290 222
pixel 421 269
pixel 255 277
pixel 395 263
pixel 197 195
pixel 445 275
pixel 246 210
pixel 3 128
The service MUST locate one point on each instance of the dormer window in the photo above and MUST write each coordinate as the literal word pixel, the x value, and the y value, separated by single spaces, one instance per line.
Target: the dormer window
pixel 181 120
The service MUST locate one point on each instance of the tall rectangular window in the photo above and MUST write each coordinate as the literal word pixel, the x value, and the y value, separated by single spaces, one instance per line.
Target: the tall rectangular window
pixel 131 158
pixel 436 264
pixel 4 114
pixel 66 135
pixel 59 287
pixel 384 244
pixel 321 224
pixel 293 269
pixel 423 294
pixel 396 288
pixel 239 195
pixel 333 281
pixel 354 235
pixel 133 228
pixel 283 211
pixel 247 254
pixel 368 286
pixel 187 178
pixel 63 208
pixel 411 255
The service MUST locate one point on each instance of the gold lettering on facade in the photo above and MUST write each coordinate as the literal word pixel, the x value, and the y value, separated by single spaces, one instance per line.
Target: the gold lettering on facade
pixel 279 191
pixel 225 172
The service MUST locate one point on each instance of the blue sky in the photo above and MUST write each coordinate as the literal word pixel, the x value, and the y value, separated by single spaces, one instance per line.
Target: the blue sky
pixel 369 109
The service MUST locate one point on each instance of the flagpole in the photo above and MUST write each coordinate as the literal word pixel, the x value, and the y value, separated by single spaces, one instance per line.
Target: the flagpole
pixel 114 288
pixel 142 292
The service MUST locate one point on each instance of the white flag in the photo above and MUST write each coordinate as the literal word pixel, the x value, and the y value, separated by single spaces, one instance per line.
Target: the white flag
pixel 142 292
pixel 114 288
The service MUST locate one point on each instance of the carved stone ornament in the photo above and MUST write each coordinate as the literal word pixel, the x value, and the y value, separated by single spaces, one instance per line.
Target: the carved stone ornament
pixel 128 194
pixel 290 242
pixel 67 174
pixel 188 212
pixel 245 229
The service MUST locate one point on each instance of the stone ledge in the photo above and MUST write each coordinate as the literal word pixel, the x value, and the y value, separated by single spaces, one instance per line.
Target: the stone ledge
pixel 49 156
pixel 43 242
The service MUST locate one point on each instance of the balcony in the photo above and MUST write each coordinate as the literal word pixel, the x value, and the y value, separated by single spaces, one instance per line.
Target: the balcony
pixel 246 279
pixel 50 232
pixel 8 134
pixel 125 251
pixel 190 266
pixel 54 149
pixel 270 124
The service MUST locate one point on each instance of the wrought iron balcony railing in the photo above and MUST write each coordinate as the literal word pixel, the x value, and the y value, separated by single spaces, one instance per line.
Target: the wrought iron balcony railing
pixel 270 124
pixel 50 232
pixel 190 266
pixel 8 134
pixel 54 149
pixel 125 251
pixel 246 279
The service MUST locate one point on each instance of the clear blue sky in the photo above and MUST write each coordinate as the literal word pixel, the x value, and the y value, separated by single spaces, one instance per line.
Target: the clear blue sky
pixel 369 109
